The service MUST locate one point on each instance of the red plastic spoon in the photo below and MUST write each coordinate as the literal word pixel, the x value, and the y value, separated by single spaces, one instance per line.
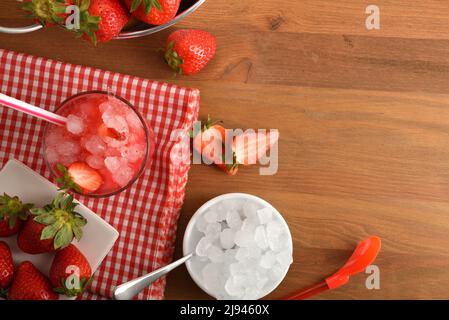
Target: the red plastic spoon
pixel 365 254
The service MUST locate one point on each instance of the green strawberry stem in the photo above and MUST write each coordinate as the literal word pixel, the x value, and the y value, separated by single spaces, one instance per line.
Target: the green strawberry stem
pixel 13 209
pixel 84 283
pixel 3 293
pixel 61 221
pixel 147 5
pixel 46 11
pixel 54 12
pixel 66 181
pixel 173 59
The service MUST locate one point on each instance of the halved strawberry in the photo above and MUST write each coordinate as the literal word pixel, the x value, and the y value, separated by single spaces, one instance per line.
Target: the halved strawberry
pixel 79 177
pixel 211 145
pixel 84 176
pixel 250 147
pixel 104 132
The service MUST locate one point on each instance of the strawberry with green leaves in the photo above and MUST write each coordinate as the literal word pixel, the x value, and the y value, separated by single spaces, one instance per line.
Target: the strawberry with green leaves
pixel 6 268
pixel 47 12
pixel 79 177
pixel 99 20
pixel 246 149
pixel 63 267
pixel 30 284
pixel 154 12
pixel 52 227
pixel 211 145
pixel 12 214
pixel 189 51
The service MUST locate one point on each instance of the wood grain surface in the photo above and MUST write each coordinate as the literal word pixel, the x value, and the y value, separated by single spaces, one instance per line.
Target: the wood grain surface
pixel 363 119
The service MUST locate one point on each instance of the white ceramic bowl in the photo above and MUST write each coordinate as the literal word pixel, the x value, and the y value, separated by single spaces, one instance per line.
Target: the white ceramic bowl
pixel 192 236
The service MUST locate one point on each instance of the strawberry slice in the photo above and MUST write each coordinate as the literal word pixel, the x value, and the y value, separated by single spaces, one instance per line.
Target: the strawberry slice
pixel 250 147
pixel 210 144
pixel 85 177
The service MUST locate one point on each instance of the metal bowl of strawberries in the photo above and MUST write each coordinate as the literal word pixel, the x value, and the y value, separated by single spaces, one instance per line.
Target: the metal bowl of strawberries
pixel 104 20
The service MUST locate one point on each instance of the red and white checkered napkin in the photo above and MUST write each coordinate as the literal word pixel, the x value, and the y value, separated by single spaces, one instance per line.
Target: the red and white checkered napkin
pixel 146 214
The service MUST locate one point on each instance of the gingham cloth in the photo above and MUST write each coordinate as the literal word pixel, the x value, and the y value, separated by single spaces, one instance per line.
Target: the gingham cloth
pixel 146 214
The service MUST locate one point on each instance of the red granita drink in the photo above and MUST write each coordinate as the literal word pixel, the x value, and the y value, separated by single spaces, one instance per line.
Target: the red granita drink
pixel 104 146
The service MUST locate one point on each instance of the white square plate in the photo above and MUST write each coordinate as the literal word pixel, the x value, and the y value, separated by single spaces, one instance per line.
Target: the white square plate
pixel 16 179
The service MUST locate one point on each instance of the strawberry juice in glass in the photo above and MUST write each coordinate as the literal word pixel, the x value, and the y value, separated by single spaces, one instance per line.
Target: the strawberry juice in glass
pixel 104 146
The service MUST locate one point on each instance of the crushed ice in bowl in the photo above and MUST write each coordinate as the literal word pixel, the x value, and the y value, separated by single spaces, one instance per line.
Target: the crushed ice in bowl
pixel 245 249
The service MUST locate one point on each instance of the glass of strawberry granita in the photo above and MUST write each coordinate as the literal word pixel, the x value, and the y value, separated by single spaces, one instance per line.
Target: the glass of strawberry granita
pixel 103 148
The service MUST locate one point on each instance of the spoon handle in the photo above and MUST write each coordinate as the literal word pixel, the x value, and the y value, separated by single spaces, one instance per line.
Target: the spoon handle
pixel 128 290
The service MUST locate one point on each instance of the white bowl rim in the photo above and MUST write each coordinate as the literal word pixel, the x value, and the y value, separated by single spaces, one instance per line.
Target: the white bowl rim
pixel 210 203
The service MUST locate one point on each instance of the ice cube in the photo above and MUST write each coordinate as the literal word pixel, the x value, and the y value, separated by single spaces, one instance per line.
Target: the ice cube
pixel 250 209
pixel 261 281
pixel 251 294
pixel 246 280
pixel 231 204
pixel 277 243
pixel 53 138
pixel 229 256
pixel 249 225
pixel 234 289
pixel 95 162
pixel 276 273
pixel 211 216
pixel 235 268
pixel 244 238
pixel 211 277
pixel 201 224
pixel 274 229
pixel 221 212
pixel 242 254
pixel 215 254
pixel 284 258
pixel 52 155
pixel 260 237
pixel 95 145
pixel 268 260
pixel 202 247
pixel 213 230
pixel 121 172
pixel 133 120
pixel 264 215
pixel 75 124
pixel 113 119
pixel 227 238
pixel 133 153
pixel 68 148
pixel 233 219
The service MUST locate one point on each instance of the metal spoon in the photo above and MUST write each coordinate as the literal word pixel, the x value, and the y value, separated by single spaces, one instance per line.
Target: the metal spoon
pixel 130 289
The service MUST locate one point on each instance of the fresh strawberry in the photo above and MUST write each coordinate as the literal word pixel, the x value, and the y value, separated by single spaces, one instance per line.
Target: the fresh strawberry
pixel 52 227
pixel 30 284
pixel 106 18
pixel 155 12
pixel 79 177
pixel 47 12
pixel 189 51
pixel 100 20
pixel 211 145
pixel 250 147
pixel 12 213
pixel 6 268
pixel 61 269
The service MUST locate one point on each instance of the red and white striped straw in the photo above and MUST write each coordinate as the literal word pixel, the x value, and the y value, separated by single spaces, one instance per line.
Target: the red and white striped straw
pixel 32 110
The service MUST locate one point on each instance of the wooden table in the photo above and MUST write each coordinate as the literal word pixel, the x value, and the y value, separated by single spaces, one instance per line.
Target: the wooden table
pixel 363 117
